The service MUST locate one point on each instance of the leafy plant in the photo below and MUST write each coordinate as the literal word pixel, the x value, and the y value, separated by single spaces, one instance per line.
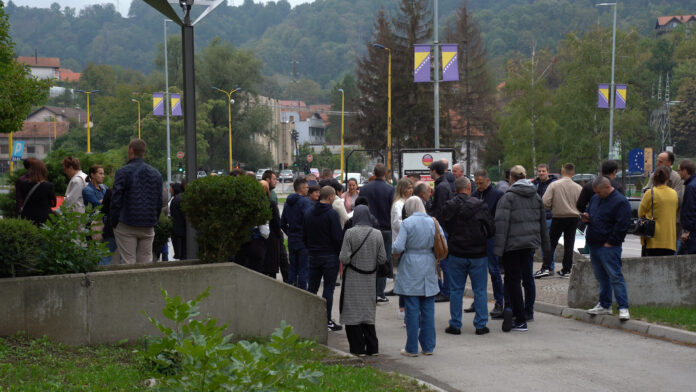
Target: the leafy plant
pixel 20 242
pixel 223 210
pixel 196 356
pixel 66 247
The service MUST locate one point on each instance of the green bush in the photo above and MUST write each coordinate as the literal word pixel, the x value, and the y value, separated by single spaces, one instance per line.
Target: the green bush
pixel 20 242
pixel 196 356
pixel 223 210
pixel 111 160
pixel 163 230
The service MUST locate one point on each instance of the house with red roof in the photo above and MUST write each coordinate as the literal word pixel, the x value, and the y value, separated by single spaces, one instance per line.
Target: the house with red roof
pixel 38 136
pixel 665 24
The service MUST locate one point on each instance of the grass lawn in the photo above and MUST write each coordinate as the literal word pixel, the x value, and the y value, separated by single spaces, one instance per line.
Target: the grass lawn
pixel 682 317
pixel 40 365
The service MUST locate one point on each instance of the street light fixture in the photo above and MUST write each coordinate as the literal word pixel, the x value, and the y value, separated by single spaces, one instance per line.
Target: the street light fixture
pixel 612 91
pixel 230 101
pixel 389 116
pixel 88 93
pixel 138 102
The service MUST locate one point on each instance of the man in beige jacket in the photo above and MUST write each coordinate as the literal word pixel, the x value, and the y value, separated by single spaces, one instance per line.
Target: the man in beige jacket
pixel 562 197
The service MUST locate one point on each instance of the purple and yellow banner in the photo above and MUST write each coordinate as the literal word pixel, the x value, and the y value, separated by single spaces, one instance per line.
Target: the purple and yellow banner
pixel 158 104
pixel 620 100
pixel 450 70
pixel 421 67
pixel 175 102
pixel 603 96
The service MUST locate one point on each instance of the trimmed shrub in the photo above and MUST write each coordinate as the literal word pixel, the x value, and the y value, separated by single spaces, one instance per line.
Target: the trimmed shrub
pixel 20 243
pixel 223 210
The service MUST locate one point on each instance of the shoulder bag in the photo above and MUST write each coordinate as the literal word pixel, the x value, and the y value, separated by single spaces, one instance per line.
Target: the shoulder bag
pixel 645 227
pixel 440 244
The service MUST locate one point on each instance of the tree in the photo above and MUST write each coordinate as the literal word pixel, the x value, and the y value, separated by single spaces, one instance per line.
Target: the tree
pixel 18 89
pixel 684 119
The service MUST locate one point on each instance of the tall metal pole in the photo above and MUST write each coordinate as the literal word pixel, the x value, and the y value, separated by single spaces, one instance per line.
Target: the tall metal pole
pixel 436 63
pixel 189 120
pixel 389 121
pixel 468 110
pixel 343 108
pixel 166 106
pixel 88 128
pixel 612 92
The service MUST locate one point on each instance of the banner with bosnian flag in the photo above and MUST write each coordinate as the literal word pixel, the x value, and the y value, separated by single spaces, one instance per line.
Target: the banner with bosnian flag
pixel 158 104
pixel 450 70
pixel 620 100
pixel 603 96
pixel 176 104
pixel 421 67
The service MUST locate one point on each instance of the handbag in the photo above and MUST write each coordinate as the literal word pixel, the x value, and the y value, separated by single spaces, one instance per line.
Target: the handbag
pixel 645 227
pixel 440 244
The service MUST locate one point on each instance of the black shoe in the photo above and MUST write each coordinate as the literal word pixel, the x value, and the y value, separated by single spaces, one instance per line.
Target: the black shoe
pixel 453 331
pixel 564 274
pixel 520 327
pixel 482 331
pixel 497 312
pixel 542 273
pixel 390 293
pixel 470 309
pixel 507 320
pixel 333 327
pixel 382 299
pixel 441 298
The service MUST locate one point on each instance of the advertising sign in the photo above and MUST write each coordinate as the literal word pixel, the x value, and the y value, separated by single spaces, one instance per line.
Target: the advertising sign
pixel 418 161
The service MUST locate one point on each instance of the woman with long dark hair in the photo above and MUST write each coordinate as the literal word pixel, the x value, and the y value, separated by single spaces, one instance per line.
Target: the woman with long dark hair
pixel 39 194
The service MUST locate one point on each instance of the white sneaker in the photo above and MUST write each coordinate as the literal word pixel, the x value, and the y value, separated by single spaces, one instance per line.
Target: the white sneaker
pixel 623 314
pixel 599 309
pixel 400 314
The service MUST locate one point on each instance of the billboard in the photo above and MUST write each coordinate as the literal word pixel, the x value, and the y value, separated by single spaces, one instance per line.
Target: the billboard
pixel 418 161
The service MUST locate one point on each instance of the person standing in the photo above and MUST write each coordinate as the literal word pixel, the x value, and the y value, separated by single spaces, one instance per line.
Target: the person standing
pixel 562 198
pixel 379 196
pixel 490 195
pixel 338 204
pixel 470 226
pixel 93 193
pixel 292 223
pixel 272 179
pixel 404 190
pixel 362 251
pixel 77 180
pixel 457 170
pixel 687 171
pixel 323 226
pixel 660 204
pixel 504 184
pixel 136 203
pixel 608 170
pixel 417 277
pixel 351 195
pixel 39 194
pixel 542 182
pixel 443 193
pixel 520 227
pixel 608 218
pixel 178 222
pixel 666 159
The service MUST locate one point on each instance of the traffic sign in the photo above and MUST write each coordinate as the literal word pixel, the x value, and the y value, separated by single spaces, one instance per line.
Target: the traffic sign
pixel 309 158
pixel 180 155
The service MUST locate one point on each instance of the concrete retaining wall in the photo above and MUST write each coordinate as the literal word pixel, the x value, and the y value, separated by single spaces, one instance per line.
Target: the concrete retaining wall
pixel 661 281
pixel 106 307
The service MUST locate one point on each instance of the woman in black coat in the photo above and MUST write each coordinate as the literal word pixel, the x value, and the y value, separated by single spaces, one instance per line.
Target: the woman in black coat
pixel 178 222
pixel 39 194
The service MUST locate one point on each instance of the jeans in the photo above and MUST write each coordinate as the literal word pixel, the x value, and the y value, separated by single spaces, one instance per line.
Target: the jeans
pixel 444 282
pixel 324 266
pixel 606 264
pixel 420 323
pixel 382 281
pixel 298 270
pixel 566 227
pixel 516 264
pixel 494 271
pixel 689 246
pixel 459 268
pixel 111 243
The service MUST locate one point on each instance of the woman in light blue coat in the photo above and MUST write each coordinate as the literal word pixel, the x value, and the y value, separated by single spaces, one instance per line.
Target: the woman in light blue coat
pixel 417 280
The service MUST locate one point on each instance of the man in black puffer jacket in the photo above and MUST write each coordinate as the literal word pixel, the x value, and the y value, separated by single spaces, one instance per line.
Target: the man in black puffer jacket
pixel 469 225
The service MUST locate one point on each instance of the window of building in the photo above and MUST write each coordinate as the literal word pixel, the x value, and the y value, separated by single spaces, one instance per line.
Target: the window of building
pixel 31 149
pixel 4 149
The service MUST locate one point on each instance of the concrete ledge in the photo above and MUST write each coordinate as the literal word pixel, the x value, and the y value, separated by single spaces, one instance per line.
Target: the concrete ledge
pixel 106 307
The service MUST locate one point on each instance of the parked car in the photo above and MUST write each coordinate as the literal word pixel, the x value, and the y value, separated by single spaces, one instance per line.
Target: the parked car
pixel 315 171
pixel 286 176
pixel 583 179
pixel 259 173
pixel 201 174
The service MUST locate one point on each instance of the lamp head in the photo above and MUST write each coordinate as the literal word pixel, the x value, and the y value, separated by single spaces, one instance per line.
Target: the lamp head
pixel 340 90
pixel 232 101
pixel 214 88
pixel 380 46
pixel 237 88
pixel 134 100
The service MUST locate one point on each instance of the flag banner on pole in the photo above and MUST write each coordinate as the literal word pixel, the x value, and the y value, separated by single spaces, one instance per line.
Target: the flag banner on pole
pixel 603 96
pixel 620 100
pixel 421 67
pixel 17 150
pixel 450 70
pixel 175 100
pixel 158 104
pixel 636 162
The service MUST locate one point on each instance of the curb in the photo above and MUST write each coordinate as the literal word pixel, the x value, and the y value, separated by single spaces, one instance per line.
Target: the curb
pixel 352 360
pixel 651 330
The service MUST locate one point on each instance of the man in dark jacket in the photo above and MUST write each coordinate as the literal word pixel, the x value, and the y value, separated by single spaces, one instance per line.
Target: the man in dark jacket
pixel 323 226
pixel 520 227
pixel 608 218
pixel 490 195
pixel 469 225
pixel 542 182
pixel 687 171
pixel 608 170
pixel 136 203
pixel 380 196
pixel 442 194
pixel 292 223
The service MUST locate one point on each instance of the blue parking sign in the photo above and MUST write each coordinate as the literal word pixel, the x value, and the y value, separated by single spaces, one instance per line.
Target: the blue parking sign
pixel 17 151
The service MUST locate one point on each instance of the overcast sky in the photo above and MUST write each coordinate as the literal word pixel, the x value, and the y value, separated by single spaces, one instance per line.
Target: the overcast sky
pixel 123 5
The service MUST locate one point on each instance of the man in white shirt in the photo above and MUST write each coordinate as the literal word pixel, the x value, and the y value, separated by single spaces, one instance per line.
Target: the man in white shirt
pixel 77 181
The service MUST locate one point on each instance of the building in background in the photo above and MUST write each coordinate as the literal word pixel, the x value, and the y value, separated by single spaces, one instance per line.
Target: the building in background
pixel 39 137
pixel 665 24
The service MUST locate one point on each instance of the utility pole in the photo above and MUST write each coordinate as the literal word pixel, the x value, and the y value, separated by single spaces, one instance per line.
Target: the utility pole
pixel 436 66
pixel 468 109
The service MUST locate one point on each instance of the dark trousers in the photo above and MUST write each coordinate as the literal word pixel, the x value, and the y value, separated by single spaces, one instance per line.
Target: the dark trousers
pixel 324 266
pixel 648 252
pixel 565 227
pixel 283 263
pixel 252 254
pixel 382 281
pixel 516 263
pixel 179 245
pixel 362 339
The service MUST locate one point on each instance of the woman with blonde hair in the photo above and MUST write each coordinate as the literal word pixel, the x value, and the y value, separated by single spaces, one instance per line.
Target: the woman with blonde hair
pixel 404 190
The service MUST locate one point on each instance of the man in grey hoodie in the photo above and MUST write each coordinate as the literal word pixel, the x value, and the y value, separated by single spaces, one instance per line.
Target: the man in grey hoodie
pixel 520 227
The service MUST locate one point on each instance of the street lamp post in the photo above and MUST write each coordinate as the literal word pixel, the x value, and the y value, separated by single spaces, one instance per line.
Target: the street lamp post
pixel 88 93
pixel 166 105
pixel 343 114
pixel 229 115
pixel 55 132
pixel 138 102
pixel 389 116
pixel 612 91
